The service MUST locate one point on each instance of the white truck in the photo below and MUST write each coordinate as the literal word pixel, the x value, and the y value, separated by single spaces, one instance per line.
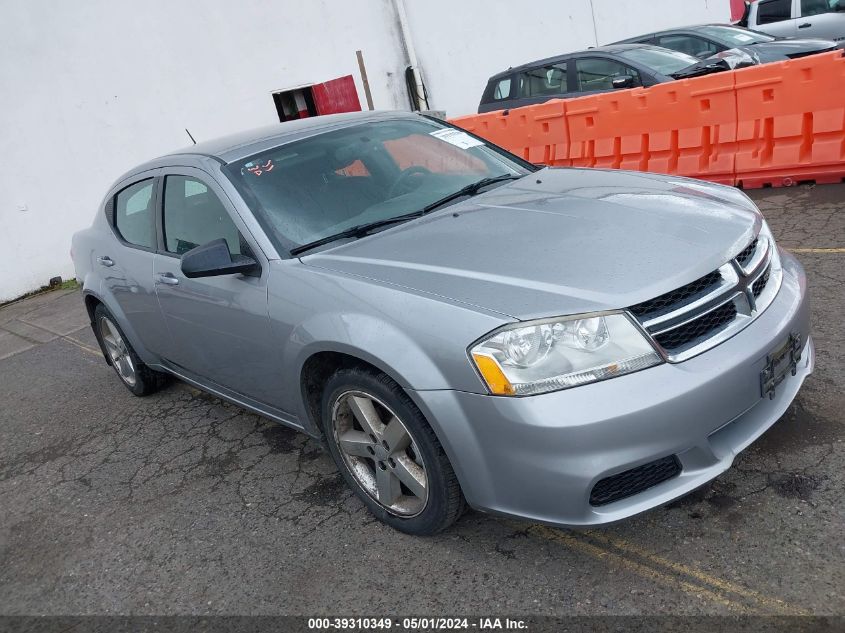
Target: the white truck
pixel 797 18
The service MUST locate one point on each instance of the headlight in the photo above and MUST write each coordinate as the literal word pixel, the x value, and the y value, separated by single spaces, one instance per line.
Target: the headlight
pixel 541 356
pixel 766 232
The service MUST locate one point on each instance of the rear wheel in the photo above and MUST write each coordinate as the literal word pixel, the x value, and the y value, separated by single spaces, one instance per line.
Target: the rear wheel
pixel 388 454
pixel 138 378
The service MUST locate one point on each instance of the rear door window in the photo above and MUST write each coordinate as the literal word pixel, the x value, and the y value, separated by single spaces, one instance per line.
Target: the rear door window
pixel 543 81
pixel 133 214
pixel 771 11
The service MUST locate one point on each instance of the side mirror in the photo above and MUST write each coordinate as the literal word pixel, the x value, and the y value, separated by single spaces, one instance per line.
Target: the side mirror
pixel 213 259
pixel 625 81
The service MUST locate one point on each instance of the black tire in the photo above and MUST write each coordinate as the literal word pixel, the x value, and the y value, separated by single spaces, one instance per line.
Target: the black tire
pixel 445 502
pixel 146 380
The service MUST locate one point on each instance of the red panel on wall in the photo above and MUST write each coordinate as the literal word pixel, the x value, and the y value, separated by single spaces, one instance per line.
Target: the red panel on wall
pixel 737 9
pixel 337 95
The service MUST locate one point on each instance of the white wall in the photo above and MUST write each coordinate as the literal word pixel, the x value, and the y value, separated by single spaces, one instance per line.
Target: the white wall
pixel 92 87
pixel 617 20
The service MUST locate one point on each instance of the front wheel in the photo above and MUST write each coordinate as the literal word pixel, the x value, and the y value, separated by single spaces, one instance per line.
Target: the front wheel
pixel 388 454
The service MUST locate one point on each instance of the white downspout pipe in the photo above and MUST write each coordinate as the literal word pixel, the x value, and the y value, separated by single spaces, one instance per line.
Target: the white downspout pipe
pixel 408 41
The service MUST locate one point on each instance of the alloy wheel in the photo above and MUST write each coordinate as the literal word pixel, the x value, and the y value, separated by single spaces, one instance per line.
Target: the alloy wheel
pixel 118 351
pixel 380 453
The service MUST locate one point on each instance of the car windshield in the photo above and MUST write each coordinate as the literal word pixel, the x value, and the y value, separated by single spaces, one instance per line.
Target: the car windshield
pixel 321 186
pixel 660 60
pixel 732 36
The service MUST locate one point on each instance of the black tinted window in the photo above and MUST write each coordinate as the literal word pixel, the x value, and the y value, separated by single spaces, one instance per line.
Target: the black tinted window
pixel 774 11
pixel 595 73
pixel 816 7
pixel 547 80
pixel 194 215
pixel 133 214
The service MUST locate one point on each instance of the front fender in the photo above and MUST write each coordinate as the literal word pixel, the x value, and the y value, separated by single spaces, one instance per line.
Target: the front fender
pixel 372 340
pixel 418 340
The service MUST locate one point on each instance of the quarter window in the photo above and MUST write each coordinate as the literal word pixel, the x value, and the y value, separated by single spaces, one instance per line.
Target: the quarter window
pixel 594 73
pixel 502 89
pixel 194 215
pixel 133 214
pixel 774 11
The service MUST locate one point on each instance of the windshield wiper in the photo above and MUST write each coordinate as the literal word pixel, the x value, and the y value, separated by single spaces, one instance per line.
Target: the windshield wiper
pixel 469 190
pixel 700 68
pixel 359 230
pixel 364 229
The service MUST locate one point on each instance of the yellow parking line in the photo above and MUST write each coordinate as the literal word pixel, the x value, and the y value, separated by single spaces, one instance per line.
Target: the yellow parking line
pixel 816 250
pixel 638 568
pixel 723 585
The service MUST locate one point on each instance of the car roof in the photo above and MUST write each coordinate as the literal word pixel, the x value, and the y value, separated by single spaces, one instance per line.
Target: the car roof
pixel 226 149
pixel 678 29
pixel 609 49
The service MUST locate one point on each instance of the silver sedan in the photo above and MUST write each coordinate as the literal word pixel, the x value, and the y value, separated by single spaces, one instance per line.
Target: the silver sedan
pixel 458 326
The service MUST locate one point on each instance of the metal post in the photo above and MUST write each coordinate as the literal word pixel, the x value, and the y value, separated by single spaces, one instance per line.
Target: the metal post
pixel 364 79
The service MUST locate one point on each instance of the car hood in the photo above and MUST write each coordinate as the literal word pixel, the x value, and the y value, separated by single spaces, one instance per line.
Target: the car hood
pixel 788 48
pixel 558 242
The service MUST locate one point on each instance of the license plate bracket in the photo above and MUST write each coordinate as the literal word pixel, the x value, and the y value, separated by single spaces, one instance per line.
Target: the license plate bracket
pixel 779 364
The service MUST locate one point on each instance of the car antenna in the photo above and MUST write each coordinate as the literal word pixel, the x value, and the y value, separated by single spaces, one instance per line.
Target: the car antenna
pixel 191 136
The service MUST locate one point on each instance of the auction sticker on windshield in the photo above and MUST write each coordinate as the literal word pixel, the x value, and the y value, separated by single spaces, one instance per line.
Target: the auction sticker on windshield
pixel 457 138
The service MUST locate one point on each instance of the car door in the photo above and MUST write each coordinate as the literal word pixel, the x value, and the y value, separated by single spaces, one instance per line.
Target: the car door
pixel 822 18
pixel 591 75
pixel 219 326
pixel 126 261
pixel 778 17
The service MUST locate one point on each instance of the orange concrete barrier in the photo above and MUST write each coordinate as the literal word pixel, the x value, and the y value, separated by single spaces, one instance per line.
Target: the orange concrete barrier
pixel 685 127
pixel 536 133
pixel 772 124
pixel 791 122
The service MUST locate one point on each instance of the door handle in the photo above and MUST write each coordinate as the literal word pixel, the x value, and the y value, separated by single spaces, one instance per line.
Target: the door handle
pixel 105 260
pixel 806 25
pixel 167 278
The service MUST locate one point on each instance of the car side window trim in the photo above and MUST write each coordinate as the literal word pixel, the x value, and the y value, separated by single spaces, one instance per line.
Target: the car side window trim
pixel 111 210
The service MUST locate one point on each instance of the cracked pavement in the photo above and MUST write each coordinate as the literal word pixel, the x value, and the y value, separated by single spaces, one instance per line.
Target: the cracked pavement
pixel 182 504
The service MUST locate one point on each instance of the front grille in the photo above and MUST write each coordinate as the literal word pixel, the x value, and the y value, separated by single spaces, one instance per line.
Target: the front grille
pixel 634 481
pixel 704 326
pixel 675 298
pixel 760 285
pixel 705 312
pixel 747 254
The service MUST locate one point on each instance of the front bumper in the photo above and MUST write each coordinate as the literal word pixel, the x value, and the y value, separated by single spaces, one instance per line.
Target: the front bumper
pixel 539 457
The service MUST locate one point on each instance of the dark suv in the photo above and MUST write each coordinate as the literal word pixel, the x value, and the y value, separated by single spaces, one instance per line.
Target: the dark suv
pixel 586 72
